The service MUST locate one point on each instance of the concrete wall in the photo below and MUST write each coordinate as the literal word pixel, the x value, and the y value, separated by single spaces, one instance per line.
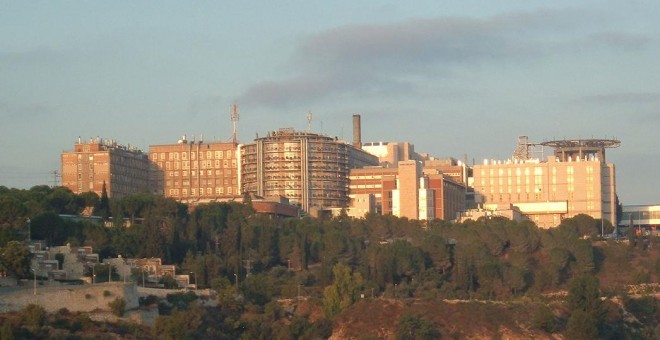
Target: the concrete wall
pixel 85 298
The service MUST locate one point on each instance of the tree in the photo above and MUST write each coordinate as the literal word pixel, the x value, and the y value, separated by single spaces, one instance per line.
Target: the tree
pixel 15 259
pixel 104 204
pixel 343 292
pixel 586 312
pixel 412 327
pixel 544 319
pixel 582 326
pixel 584 294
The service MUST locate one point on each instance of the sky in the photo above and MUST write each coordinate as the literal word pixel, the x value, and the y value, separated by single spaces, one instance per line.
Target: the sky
pixel 458 79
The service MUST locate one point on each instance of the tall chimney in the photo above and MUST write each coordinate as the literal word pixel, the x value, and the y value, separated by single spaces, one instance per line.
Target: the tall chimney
pixel 357 132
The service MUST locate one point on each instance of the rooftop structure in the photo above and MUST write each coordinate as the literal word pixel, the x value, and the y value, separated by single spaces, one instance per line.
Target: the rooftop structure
pixel 575 180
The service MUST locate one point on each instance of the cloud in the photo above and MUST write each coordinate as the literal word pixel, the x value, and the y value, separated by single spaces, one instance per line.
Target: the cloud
pixel 14 114
pixel 621 98
pixel 393 58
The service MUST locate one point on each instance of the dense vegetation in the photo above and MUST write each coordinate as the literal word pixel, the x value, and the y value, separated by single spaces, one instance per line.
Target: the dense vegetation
pixel 332 263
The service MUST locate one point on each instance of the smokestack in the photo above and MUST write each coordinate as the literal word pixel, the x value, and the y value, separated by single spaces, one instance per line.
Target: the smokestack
pixel 357 132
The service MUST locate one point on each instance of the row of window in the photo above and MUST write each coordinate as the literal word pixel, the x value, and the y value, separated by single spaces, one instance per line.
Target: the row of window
pixel 185 165
pixel 175 156
pixel 203 191
pixel 570 170
pixel 201 173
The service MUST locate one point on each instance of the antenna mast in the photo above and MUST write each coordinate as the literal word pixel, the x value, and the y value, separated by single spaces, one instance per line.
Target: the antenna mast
pixel 234 119
pixel 309 121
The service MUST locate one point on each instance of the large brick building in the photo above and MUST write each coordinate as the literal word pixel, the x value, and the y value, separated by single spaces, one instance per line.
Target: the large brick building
pixel 195 172
pixel 98 162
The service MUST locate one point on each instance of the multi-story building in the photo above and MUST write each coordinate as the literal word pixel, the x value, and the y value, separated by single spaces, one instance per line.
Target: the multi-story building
pixel 195 172
pixel 576 179
pixel 407 191
pixel 641 216
pixel 91 165
pixel 309 169
pixel 377 181
pixel 391 153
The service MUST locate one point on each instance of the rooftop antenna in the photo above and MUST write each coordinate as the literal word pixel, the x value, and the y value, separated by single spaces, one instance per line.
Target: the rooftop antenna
pixel 234 119
pixel 309 121
pixel 56 176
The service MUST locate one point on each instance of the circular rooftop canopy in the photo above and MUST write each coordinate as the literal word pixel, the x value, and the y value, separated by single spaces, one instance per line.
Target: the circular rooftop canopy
pixel 582 143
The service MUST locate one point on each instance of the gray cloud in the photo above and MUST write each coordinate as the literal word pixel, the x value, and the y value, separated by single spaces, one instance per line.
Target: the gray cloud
pixel 388 59
pixel 621 98
pixel 619 39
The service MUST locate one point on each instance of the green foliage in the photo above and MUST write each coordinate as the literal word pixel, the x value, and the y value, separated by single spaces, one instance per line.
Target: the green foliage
pixel 15 259
pixel 6 332
pixel 644 308
pixel 542 318
pixel 343 292
pixel 168 282
pixel 582 326
pixel 584 294
pixel 118 306
pixel 188 324
pixel 257 289
pixel 182 300
pixel 33 316
pixel 413 327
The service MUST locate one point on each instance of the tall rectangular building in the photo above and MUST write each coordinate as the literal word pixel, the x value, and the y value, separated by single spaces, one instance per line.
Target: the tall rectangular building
pixel 195 172
pixel 123 169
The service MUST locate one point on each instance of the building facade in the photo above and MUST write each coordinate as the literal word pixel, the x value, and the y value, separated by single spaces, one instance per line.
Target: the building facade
pixel 641 216
pixel 575 180
pixel 195 172
pixel 406 191
pixel 98 162
pixel 309 169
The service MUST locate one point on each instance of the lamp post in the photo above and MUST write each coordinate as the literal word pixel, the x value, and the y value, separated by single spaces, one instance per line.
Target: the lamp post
pixel 195 275
pixel 299 285
pixel 93 272
pixel 236 276
pixel 34 290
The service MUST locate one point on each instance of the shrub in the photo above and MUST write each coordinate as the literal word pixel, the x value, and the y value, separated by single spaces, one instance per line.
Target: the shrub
pixel 107 293
pixel 118 306
pixel 33 315
pixel 149 300
pixel 544 319
pixel 412 327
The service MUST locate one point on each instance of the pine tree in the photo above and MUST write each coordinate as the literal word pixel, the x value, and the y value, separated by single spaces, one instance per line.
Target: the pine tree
pixel 104 204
